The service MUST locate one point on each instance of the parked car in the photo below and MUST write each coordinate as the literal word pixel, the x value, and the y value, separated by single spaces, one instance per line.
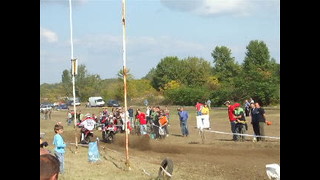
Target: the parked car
pixel 77 103
pixel 44 107
pixel 62 106
pixel 95 102
pixel 113 103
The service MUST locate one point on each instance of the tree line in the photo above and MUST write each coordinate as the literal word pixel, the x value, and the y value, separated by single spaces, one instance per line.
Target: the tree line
pixel 184 81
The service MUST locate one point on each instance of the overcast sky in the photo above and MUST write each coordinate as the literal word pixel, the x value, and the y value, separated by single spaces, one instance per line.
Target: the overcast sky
pixel 154 29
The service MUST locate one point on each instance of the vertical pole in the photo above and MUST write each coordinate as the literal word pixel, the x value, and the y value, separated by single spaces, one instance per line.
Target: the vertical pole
pixel 73 74
pixel 125 79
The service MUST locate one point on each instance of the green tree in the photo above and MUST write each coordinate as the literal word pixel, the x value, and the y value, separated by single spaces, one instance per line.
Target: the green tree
pixel 86 84
pixel 225 67
pixel 167 70
pixel 128 77
pixel 195 71
pixel 67 82
pixel 186 96
pixel 257 55
pixel 260 78
pixel 150 74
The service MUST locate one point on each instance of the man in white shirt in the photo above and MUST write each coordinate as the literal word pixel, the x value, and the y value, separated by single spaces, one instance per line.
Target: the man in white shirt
pixel 87 125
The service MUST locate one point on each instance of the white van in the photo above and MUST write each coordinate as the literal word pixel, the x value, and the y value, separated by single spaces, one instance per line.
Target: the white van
pixel 96 102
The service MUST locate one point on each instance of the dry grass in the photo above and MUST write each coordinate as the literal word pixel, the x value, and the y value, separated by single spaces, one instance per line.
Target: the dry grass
pixel 219 158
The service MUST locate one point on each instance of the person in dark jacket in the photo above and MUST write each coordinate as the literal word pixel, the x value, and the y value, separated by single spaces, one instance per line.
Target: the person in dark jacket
pixel 258 120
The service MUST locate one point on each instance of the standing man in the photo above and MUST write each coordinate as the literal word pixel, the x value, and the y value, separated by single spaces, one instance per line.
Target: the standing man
pixel 206 117
pixel 247 107
pixel 232 118
pixel 184 121
pixel 130 111
pixel 198 108
pixel 146 102
pixel 258 121
pixel 209 103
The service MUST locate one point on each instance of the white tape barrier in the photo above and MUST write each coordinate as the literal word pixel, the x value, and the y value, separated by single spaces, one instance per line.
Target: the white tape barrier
pixel 219 132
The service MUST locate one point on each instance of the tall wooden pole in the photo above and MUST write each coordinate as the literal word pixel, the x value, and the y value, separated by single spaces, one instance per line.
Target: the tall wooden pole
pixel 125 79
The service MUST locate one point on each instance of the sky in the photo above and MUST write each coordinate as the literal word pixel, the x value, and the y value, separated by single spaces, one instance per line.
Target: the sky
pixel 154 29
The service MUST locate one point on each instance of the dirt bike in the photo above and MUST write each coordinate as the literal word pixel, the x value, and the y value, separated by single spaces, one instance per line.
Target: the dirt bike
pixel 85 135
pixel 108 132
pixel 161 130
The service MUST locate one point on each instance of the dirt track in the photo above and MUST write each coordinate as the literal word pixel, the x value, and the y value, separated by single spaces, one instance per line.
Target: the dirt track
pixel 218 158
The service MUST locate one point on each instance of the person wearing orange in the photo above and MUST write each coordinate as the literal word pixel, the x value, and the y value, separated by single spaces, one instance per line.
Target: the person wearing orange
pixel 163 121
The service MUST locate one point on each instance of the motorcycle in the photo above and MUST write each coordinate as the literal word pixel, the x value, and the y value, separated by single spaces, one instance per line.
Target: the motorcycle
pixel 85 136
pixel 108 132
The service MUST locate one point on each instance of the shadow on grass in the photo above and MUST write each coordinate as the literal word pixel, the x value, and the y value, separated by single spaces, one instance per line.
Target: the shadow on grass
pixel 178 135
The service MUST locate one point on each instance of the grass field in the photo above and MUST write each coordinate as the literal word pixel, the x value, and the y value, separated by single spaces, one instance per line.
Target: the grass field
pixel 218 158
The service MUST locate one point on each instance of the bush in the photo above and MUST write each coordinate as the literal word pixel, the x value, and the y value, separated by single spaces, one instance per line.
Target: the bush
pixel 186 96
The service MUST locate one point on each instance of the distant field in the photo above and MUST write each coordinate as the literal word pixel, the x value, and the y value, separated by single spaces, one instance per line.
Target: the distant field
pixel 218 158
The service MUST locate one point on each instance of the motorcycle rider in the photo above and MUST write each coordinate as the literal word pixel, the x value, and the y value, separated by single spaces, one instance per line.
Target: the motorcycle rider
pixel 87 125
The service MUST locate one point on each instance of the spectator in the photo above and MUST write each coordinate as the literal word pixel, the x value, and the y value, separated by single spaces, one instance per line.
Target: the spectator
pixel 251 101
pixel 143 122
pixel 184 121
pixel 247 107
pixel 59 144
pixel 205 111
pixel 146 102
pixel 232 118
pixel 49 113
pixel 69 118
pixel 241 125
pixel 155 119
pixel 258 121
pixel 208 103
pixel 131 119
pixel 163 121
pixel 49 167
pixel 253 121
pixel 198 108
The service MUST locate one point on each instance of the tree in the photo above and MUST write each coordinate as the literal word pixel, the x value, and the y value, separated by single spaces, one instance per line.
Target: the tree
pixel 86 84
pixel 225 67
pixel 260 78
pixel 195 71
pixel 150 74
pixel 66 82
pixel 186 96
pixel 128 77
pixel 167 70
pixel 257 55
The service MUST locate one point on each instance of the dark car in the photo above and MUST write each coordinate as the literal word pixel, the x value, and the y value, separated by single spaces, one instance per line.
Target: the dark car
pixel 62 106
pixel 113 103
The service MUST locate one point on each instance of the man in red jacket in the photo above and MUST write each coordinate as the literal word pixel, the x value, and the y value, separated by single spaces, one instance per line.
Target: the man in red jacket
pixel 232 118
pixel 143 122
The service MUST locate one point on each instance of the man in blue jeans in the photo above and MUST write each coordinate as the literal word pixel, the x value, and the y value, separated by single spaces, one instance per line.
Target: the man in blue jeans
pixel 232 118
pixel 183 115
